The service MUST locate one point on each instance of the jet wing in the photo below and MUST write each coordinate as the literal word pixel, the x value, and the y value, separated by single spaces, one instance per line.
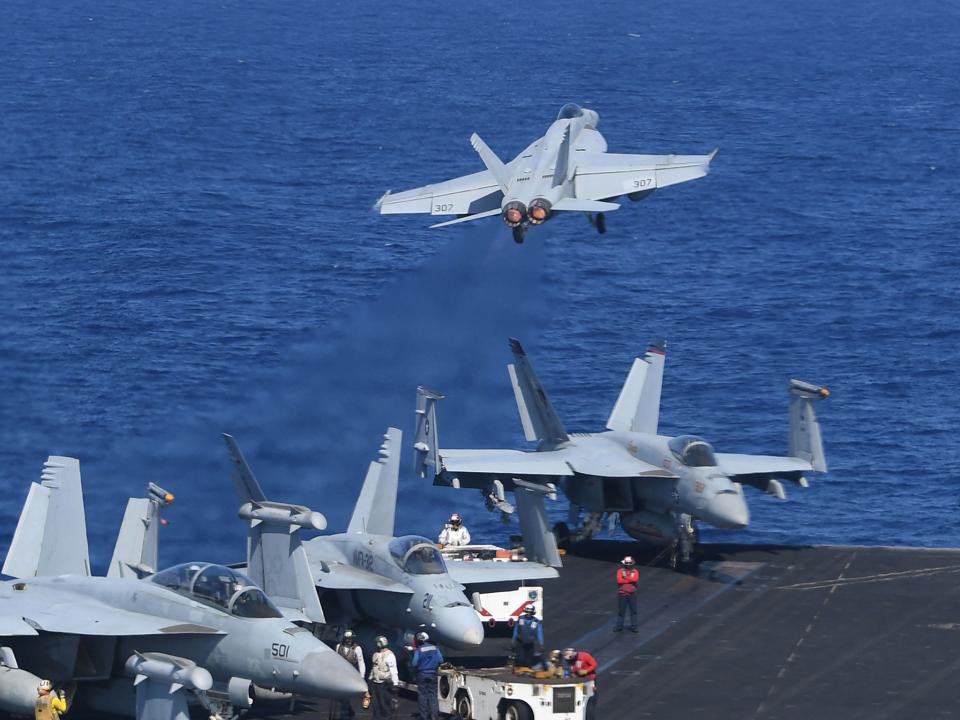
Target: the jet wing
pixel 465 195
pixel 761 466
pixel 85 617
pixel 14 625
pixel 488 572
pixel 338 576
pixel 511 463
pixel 609 176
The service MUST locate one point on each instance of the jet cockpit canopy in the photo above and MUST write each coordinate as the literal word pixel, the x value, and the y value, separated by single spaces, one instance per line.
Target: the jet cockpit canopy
pixel 570 111
pixel 218 586
pixel 417 555
pixel 693 451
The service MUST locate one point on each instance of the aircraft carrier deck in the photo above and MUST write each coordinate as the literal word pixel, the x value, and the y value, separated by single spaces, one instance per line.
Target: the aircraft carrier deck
pixel 763 632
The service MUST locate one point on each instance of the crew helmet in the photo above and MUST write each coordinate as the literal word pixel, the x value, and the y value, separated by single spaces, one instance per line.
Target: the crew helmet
pixel 349 637
pixel 422 637
pixel 45 685
pixel 455 519
pixel 530 610
pixel 569 653
pixel 381 642
pixel 628 561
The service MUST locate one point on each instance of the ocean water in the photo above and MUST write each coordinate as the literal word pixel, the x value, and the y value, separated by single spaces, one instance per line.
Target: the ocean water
pixel 187 247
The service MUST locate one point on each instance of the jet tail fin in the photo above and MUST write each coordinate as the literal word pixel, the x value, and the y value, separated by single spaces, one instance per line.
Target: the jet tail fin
pixel 135 553
pixel 243 479
pixel 51 535
pixel 638 407
pixel 276 558
pixel 376 507
pixel 494 164
pixel 561 171
pixel 540 421
pixel 426 443
pixel 805 440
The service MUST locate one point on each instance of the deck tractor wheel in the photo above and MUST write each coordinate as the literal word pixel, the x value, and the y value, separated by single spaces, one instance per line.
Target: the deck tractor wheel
pixel 463 708
pixel 517 710
pixel 562 532
pixel 444 687
pixel 590 712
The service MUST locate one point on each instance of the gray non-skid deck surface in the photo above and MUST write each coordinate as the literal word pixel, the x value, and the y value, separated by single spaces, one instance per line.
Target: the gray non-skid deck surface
pixel 764 632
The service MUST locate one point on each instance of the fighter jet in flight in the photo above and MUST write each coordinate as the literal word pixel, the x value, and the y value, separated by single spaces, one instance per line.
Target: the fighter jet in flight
pixel 366 574
pixel 568 169
pixel 197 628
pixel 655 485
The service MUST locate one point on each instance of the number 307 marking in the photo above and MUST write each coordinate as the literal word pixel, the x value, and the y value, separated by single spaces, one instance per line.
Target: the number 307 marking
pixel 443 207
pixel 642 183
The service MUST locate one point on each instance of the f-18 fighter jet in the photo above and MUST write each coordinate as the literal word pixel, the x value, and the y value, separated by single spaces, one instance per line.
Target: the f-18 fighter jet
pixel 657 486
pixel 367 574
pixel 568 169
pixel 199 628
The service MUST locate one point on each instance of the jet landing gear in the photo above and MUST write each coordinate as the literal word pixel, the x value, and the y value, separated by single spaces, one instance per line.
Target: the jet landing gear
pixel 592 524
pixel 685 550
pixel 519 233
pixel 599 221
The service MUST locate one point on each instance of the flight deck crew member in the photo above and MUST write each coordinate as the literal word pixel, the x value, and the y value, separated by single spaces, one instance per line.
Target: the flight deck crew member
pixel 384 680
pixel 627 578
pixel 528 638
pixel 49 705
pixel 348 649
pixel 454 533
pixel 426 659
pixel 582 663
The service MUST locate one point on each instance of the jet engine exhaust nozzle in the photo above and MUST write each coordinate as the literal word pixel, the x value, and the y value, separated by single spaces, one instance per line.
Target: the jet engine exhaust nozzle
pixel 539 211
pixel 514 213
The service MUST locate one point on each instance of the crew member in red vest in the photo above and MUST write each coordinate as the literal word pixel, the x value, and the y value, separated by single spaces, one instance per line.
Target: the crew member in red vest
pixel 581 663
pixel 627 578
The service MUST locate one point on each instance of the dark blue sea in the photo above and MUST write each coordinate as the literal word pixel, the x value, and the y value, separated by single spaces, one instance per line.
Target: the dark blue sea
pixel 188 246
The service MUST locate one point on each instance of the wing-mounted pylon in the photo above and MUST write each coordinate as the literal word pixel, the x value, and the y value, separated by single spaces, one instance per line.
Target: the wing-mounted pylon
pixel 51 535
pixel 276 558
pixel 135 553
pixel 164 682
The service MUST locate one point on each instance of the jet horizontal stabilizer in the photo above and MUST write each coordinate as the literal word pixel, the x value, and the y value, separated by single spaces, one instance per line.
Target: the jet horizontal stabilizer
pixel 577 205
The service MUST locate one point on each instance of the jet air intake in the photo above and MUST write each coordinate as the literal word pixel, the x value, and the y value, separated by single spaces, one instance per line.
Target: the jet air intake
pixel 514 213
pixel 539 211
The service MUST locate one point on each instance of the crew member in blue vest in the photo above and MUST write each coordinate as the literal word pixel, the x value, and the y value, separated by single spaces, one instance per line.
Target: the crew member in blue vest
pixel 426 659
pixel 528 639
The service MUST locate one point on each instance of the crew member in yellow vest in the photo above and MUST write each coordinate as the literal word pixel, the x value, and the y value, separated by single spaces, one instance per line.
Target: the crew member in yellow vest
pixel 50 705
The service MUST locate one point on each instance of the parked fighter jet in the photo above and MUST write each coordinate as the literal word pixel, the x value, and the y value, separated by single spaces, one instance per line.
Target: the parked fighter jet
pixel 658 485
pixel 197 627
pixel 368 574
pixel 567 169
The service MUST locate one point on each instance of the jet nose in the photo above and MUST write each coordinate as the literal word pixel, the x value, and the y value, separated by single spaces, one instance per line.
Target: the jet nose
pixel 458 626
pixel 728 510
pixel 326 674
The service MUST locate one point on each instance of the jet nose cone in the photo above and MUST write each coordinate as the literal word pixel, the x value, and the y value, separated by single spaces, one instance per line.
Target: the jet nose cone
pixel 458 627
pixel 729 510
pixel 326 674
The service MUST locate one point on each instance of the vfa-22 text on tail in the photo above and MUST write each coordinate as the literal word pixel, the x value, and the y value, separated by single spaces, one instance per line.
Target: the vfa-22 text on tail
pixel 658 486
